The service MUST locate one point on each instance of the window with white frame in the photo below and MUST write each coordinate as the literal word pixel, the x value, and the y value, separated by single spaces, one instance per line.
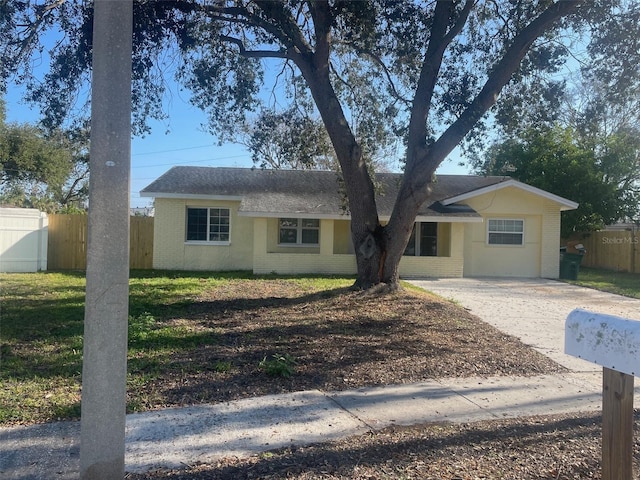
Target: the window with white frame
pixel 505 231
pixel 299 231
pixel 208 224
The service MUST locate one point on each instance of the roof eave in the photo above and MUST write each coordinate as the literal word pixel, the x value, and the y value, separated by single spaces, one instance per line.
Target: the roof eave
pixel 299 214
pixel 450 218
pixel 191 196
pixel 346 216
pixel 565 204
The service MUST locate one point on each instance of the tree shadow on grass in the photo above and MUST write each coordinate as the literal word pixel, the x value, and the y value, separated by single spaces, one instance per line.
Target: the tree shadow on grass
pixel 337 340
pixel 326 357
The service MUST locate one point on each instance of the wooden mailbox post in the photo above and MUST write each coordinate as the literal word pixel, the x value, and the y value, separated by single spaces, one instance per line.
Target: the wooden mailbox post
pixel 614 343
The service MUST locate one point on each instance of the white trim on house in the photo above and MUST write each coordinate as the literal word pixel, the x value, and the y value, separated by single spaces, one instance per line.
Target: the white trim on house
pixel 331 216
pixel 305 215
pixel 489 232
pixel 192 196
pixel 565 204
pixel 445 219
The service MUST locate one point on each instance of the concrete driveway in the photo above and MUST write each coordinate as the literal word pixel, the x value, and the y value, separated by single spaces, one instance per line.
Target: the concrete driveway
pixel 534 310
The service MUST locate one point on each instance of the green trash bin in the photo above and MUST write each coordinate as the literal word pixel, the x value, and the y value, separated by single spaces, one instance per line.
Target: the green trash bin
pixel 570 265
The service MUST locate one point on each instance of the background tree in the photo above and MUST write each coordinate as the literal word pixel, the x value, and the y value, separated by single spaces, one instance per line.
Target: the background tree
pixel 588 146
pixel 44 171
pixel 289 139
pixel 376 72
pixel 554 160
pixel 609 125
pixel 619 158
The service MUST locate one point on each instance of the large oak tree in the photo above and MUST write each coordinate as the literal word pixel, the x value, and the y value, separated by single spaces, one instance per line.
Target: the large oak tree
pixel 425 72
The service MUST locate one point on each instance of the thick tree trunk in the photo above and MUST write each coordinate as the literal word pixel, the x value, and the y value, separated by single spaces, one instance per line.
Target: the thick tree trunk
pixel 413 192
pixel 370 254
pixel 379 249
pixel 366 232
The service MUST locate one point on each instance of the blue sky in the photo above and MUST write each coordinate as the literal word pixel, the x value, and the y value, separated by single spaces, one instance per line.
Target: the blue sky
pixel 180 140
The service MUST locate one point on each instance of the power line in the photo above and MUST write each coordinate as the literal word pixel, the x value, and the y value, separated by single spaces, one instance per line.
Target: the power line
pixel 216 159
pixel 173 150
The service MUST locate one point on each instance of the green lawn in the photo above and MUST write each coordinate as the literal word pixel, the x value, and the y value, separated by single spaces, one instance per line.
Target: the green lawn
pixel 41 326
pixel 622 283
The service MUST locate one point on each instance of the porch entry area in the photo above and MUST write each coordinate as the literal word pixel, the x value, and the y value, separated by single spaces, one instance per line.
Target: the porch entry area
pixel 434 249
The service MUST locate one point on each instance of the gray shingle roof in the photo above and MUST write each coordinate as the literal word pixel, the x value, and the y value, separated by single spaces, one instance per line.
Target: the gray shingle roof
pixel 303 192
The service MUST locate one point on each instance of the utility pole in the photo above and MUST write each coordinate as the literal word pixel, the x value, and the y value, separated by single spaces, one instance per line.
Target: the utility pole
pixel 104 367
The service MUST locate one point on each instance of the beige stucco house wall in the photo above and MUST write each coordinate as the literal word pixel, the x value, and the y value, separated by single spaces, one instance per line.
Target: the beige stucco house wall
pixel 268 257
pixel 171 251
pixel 538 257
pixel 450 259
pixel 335 253
pixel 254 246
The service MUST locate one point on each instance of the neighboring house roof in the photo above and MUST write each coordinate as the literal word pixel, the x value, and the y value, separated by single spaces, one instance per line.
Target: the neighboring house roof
pixel 315 193
pixel 622 226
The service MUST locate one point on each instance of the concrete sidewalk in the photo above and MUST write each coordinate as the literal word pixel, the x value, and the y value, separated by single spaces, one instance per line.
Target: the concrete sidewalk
pixel 532 310
pixel 182 436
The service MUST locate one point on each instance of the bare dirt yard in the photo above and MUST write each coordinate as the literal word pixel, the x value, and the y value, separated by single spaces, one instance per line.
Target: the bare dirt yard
pixel 277 336
pixel 328 340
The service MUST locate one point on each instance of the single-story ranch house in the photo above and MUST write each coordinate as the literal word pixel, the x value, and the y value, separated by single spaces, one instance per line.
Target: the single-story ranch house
pixel 294 221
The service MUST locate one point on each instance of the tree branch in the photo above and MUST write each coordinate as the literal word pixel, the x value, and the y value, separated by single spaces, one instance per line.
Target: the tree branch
pixel 72 193
pixel 254 53
pixel 387 73
pixel 32 28
pixel 460 22
pixel 284 30
pixel 290 33
pixel 438 43
pixel 322 20
pixel 498 78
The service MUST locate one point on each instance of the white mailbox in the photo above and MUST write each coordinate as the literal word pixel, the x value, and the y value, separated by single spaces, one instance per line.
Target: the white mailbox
pixel 614 343
pixel 606 340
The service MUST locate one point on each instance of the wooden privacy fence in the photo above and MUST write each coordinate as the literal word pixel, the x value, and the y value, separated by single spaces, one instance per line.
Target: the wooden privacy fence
pixel 67 244
pixel 612 250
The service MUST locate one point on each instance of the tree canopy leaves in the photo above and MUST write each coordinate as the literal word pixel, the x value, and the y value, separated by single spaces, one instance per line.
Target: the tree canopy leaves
pixel 603 180
pixel 39 170
pixel 289 140
pixel 225 51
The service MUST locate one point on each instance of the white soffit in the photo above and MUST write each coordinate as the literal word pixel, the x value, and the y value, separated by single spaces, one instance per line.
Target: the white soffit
pixel 321 216
pixel 191 196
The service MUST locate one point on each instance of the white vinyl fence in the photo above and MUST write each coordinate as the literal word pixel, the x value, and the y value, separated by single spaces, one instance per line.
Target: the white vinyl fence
pixel 23 240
